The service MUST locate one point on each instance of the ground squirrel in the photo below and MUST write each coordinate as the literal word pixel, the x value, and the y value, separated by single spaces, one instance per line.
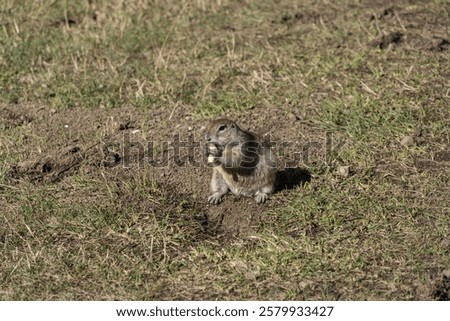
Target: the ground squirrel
pixel 242 162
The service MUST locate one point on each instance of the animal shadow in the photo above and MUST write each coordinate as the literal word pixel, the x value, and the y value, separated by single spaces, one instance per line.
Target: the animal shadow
pixel 290 178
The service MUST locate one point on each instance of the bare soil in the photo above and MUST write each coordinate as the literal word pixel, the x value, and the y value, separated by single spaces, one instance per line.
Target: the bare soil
pixel 76 146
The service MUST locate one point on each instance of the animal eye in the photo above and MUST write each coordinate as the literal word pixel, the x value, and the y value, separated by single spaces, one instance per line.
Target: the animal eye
pixel 222 128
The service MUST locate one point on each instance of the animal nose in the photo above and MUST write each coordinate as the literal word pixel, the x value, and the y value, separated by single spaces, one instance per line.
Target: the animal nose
pixel 208 138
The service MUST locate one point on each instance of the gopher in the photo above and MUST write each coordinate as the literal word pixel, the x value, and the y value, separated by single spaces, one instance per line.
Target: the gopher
pixel 242 162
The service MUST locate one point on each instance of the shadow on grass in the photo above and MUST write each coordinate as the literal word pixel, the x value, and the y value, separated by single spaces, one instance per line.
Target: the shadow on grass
pixel 290 178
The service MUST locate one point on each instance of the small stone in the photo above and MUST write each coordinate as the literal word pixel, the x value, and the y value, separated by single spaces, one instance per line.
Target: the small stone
pixel 407 141
pixel 344 171
pixel 349 99
pixel 292 117
pixel 73 149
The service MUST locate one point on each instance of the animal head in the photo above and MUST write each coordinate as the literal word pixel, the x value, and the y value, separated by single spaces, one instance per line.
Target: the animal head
pixel 221 131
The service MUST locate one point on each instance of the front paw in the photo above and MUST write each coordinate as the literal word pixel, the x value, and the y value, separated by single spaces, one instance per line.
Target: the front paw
pixel 211 160
pixel 213 149
pixel 261 198
pixel 215 198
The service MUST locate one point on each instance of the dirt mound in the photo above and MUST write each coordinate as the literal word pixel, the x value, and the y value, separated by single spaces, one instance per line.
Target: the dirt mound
pixel 10 118
pixel 48 168
pixel 384 41
pixel 128 143
pixel 412 30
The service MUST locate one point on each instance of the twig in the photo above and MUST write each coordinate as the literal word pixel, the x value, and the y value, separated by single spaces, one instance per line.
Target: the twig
pixel 8 186
pixel 376 23
pixel 407 87
pixel 399 21
pixel 366 88
pixel 366 30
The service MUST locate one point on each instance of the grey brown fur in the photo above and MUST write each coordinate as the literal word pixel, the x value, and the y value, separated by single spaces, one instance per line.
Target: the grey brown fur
pixel 242 161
